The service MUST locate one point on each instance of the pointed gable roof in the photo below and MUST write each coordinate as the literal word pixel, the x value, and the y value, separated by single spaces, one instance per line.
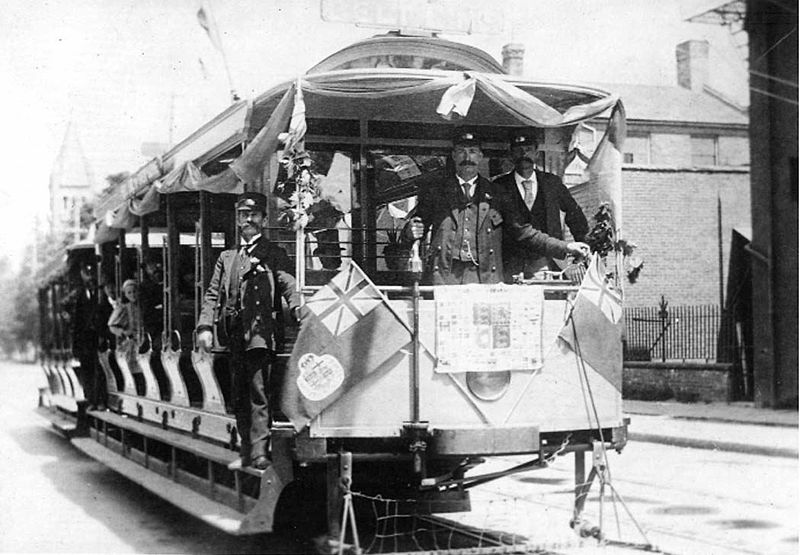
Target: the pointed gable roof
pixel 71 169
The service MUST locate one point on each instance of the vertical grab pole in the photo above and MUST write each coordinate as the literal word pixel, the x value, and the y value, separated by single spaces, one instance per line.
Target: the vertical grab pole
pixel 415 267
pixel 416 429
pixel 300 258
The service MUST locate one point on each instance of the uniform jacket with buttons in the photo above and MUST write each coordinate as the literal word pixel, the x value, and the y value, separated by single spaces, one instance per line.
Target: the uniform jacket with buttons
pixel 439 207
pixel 556 199
pixel 244 296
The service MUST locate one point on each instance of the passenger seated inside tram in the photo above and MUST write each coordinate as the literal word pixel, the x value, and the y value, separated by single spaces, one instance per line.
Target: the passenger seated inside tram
pixel 125 320
pixel 125 324
pixel 107 303
pixel 151 298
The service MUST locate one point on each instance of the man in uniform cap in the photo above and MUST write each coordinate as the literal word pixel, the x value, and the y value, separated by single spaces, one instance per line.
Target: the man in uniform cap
pixel 469 218
pixel 244 300
pixel 84 335
pixel 541 198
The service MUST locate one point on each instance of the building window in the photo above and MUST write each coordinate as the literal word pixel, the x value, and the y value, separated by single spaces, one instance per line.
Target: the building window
pixel 704 151
pixel 636 149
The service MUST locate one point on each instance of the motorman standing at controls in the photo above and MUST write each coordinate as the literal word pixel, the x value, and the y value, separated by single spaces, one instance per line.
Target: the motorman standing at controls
pixel 469 216
pixel 244 300
pixel 541 197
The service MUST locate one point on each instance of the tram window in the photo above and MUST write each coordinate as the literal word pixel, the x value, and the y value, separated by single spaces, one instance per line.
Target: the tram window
pixel 156 239
pixel 395 179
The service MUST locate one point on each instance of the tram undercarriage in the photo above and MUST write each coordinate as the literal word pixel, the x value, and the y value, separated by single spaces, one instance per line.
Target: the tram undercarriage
pixel 199 471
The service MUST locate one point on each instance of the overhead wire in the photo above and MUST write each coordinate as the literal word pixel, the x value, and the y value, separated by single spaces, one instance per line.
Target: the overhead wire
pixel 773 95
pixel 771 48
pixel 773 78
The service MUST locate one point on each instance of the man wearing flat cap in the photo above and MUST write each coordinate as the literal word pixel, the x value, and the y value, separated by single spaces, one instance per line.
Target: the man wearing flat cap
pixel 540 197
pixel 243 299
pixel 469 217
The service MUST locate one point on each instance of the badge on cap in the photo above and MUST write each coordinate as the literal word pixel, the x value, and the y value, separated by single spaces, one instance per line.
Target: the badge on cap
pixel 523 139
pixel 466 138
pixel 252 201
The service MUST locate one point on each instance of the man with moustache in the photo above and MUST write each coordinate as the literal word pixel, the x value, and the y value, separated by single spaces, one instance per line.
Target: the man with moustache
pixel 541 198
pixel 469 218
pixel 244 300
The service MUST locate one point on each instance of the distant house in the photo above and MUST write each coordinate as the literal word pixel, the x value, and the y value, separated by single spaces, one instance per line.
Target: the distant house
pixel 686 182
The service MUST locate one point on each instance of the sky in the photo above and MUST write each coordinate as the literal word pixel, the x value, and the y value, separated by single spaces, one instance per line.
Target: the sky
pixel 128 72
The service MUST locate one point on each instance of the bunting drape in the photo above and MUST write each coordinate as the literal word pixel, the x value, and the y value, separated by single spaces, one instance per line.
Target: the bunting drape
pixel 451 93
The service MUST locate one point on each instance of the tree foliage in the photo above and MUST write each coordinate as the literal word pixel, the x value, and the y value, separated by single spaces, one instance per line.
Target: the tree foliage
pixel 19 327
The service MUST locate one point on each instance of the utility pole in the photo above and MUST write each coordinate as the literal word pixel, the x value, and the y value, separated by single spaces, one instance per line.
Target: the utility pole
pixel 719 252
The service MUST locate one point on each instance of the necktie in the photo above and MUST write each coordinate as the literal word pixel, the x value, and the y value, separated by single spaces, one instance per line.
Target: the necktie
pixel 467 196
pixel 528 186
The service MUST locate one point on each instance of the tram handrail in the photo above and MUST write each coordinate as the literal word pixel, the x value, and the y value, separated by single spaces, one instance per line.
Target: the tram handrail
pixel 554 284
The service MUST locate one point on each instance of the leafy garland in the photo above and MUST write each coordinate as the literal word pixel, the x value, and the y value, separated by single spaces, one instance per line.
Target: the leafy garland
pixel 298 188
pixel 601 240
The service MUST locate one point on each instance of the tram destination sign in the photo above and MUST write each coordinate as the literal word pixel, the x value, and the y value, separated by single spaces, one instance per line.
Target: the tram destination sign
pixel 431 16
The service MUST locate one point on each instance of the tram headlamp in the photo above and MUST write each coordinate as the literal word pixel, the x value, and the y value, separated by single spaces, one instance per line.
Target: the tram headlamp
pixel 488 386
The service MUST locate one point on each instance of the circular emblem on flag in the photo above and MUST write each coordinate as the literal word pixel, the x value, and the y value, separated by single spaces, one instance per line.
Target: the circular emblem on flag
pixel 319 376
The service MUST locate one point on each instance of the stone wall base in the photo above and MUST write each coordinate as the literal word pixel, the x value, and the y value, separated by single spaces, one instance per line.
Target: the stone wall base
pixel 682 381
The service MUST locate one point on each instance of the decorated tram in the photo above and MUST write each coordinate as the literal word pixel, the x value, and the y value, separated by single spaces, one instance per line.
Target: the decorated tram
pixel 462 374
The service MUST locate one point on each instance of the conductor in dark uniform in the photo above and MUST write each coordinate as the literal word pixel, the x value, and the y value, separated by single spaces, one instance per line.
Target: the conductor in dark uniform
pixel 471 220
pixel 541 197
pixel 244 300
pixel 84 336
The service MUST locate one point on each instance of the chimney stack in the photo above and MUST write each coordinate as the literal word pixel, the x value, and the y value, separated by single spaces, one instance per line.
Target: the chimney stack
pixel 513 58
pixel 692 58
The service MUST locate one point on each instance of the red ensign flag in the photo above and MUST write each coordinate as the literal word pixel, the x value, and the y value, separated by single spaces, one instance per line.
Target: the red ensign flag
pixel 348 332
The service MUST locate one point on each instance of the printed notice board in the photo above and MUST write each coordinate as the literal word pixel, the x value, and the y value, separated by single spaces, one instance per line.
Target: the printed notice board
pixel 488 328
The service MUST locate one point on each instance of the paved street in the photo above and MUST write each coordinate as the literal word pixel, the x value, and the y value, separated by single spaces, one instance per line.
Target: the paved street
pixel 687 500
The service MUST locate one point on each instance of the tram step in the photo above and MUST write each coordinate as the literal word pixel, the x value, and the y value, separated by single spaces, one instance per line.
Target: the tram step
pixel 64 402
pixel 181 441
pixel 215 514
pixel 65 425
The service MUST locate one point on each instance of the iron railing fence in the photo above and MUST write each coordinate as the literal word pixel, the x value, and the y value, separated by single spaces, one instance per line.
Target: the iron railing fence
pixel 685 333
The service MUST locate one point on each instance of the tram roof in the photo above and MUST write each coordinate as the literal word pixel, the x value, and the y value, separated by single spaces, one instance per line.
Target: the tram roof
pixel 409 95
pixel 419 50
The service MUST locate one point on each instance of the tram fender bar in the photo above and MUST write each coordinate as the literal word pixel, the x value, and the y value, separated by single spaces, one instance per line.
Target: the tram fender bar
pixel 497 440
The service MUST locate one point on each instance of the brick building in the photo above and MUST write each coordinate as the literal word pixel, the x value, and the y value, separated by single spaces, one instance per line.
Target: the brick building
pixel 686 182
